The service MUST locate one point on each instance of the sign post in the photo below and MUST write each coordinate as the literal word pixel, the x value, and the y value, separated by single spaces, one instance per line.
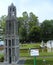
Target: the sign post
pixel 35 60
pixel 34 52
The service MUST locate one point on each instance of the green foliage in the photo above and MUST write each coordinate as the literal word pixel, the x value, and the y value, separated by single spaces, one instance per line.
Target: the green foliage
pixel 20 20
pixel 2 25
pixel 22 34
pixel 33 20
pixel 47 30
pixel 28 22
pixel 34 34
pixel 3 19
pixel 20 23
pixel 25 16
pixel 29 29
pixel 1 59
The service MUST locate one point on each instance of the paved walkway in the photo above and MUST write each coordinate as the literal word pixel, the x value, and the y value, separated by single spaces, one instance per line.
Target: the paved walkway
pixel 21 62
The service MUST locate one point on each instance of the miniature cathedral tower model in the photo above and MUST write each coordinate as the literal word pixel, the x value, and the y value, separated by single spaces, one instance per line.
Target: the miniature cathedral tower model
pixel 11 37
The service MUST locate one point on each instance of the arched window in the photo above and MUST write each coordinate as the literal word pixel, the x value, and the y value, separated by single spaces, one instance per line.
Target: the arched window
pixel 9 43
pixel 9 27
pixel 10 55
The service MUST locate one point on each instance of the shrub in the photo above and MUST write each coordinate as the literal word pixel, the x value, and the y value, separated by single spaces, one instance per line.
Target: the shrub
pixel 1 59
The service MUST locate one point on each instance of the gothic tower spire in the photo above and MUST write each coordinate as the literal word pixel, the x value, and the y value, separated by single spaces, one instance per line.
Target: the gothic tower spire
pixel 11 38
pixel 11 10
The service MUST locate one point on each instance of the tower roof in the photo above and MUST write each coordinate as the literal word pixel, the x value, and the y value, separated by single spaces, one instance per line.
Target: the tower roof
pixel 12 5
pixel 11 11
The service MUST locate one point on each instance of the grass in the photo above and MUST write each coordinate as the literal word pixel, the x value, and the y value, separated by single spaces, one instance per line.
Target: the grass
pixel 46 53
pixel 26 52
pixel 39 61
pixel 28 46
pixel 40 54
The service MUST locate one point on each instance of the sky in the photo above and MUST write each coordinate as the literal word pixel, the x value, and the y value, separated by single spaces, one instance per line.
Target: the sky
pixel 41 8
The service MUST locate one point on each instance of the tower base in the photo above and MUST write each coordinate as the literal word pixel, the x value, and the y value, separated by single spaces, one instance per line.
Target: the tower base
pixel 6 63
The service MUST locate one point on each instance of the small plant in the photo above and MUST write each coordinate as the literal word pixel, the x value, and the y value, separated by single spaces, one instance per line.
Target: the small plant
pixel 1 59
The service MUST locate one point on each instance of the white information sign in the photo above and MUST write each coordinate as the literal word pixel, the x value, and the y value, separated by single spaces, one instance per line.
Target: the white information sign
pixel 34 52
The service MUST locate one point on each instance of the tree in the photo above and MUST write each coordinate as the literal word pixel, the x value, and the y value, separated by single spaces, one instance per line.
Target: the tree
pixel 20 22
pixel 25 18
pixel 25 15
pixel 2 26
pixel 34 34
pixel 47 30
pixel 2 20
pixel 33 20
pixel 22 34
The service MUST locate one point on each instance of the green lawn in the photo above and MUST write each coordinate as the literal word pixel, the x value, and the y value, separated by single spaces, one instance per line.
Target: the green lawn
pixel 39 61
pixel 28 46
pixel 46 53
pixel 26 52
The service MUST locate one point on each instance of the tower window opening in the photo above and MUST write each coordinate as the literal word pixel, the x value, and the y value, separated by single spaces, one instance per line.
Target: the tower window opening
pixel 9 42
pixel 9 55
pixel 9 27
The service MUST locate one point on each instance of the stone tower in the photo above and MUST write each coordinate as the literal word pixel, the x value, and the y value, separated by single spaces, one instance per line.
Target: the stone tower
pixel 11 38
